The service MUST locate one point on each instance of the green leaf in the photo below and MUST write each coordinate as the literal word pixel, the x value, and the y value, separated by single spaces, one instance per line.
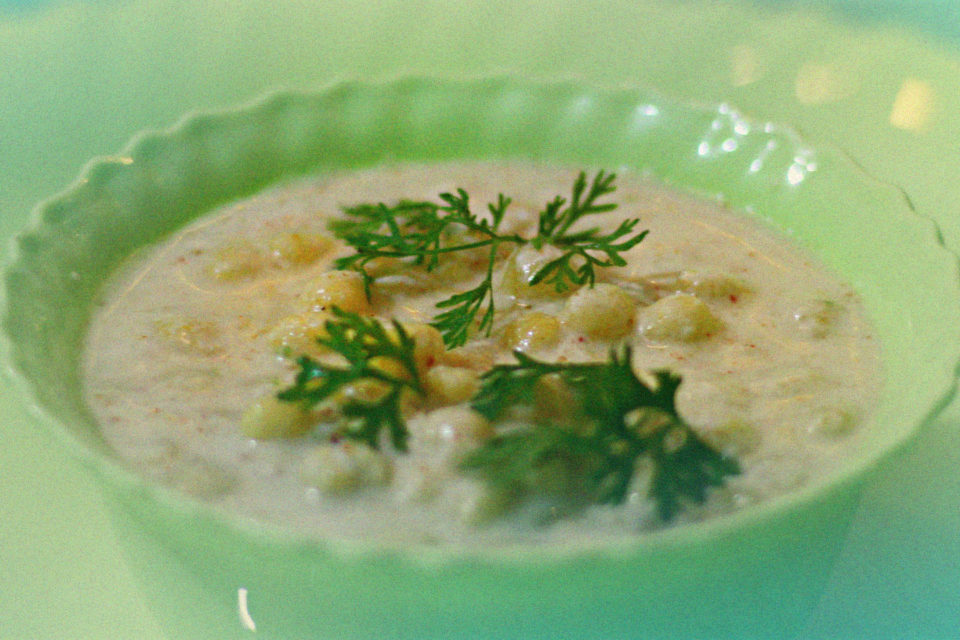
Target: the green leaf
pixel 424 232
pixel 624 421
pixel 462 309
pixel 358 340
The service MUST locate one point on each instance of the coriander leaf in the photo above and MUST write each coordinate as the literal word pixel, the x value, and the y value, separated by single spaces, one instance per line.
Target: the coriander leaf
pixel 421 232
pixel 365 345
pixel 581 250
pixel 625 421
pixel 555 220
pixel 584 246
pixel 545 459
pixel 462 309
pixel 407 229
pixel 509 385
pixel 684 468
pixel 499 209
pixel 514 454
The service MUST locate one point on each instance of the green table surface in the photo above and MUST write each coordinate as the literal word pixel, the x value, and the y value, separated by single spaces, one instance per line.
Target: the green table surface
pixel 78 79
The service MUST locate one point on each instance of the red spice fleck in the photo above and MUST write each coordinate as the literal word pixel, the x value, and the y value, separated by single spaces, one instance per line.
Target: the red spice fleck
pixel 733 298
pixel 431 361
pixel 581 339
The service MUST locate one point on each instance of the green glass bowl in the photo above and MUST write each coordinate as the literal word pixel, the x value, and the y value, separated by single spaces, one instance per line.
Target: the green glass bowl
pixel 710 578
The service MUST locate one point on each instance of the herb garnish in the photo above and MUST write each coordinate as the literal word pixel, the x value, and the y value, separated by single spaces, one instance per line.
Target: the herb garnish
pixel 626 421
pixel 422 231
pixel 618 421
pixel 621 420
pixel 555 222
pixel 372 354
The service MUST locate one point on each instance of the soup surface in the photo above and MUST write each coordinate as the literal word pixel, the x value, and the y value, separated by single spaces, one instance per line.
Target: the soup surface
pixel 195 338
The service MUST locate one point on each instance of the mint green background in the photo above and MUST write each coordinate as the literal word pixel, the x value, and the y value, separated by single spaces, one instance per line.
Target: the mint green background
pixel 77 80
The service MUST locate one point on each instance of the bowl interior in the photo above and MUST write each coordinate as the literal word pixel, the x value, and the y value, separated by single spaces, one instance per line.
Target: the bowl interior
pixel 863 230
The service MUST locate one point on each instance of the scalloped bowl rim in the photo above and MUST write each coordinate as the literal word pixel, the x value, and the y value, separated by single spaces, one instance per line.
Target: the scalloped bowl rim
pixel 111 469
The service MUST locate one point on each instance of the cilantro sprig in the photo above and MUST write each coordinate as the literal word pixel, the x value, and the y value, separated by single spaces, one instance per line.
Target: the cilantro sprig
pixel 422 231
pixel 583 246
pixel 615 421
pixel 626 421
pixel 367 348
